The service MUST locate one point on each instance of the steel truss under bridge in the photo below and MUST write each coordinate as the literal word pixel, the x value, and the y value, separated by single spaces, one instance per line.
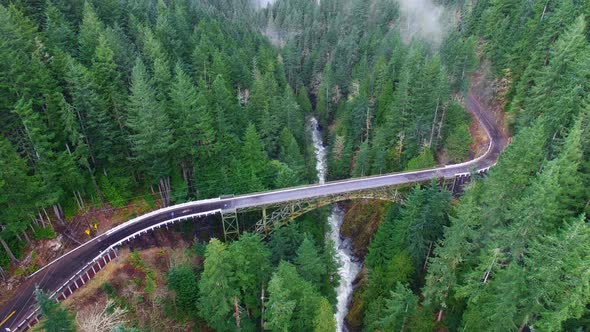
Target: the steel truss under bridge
pixel 284 212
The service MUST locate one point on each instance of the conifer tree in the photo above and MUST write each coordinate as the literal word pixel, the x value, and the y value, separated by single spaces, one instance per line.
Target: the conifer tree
pixel 290 153
pixel 109 87
pixel 284 243
pixel 91 111
pixel 251 263
pixel 324 319
pixel 293 301
pixel 254 161
pixel 399 308
pixel 183 281
pixel 562 86
pixel 215 288
pixel 17 195
pixel 56 319
pixel 558 277
pixel 309 263
pixel 185 116
pixel 279 309
pixel 60 33
pixel 89 34
pixel 151 137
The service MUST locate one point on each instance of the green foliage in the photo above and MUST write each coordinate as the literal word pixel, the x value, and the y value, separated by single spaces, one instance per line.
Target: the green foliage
pixel 253 161
pixel 46 232
pixel 486 273
pixel 150 200
pixel 324 319
pixel 109 289
pixel 398 252
pixel 424 160
pixel 400 305
pixel 309 262
pixel 88 87
pixel 250 261
pixel 55 317
pixel 293 301
pixel 215 288
pixel 183 281
pixel 151 137
pixel 198 248
pixel 112 190
pixel 331 278
pixel 102 97
pixel 284 243
pixel 457 137
pixel 25 272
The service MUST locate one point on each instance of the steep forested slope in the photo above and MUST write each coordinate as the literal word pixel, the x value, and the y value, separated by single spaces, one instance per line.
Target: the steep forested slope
pixel 492 269
pixel 387 93
pixel 517 249
pixel 102 100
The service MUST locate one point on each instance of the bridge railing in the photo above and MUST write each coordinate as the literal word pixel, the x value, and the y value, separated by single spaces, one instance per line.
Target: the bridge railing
pixel 90 269
pixel 362 178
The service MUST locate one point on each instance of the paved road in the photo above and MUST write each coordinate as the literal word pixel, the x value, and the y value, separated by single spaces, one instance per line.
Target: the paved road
pixel 54 275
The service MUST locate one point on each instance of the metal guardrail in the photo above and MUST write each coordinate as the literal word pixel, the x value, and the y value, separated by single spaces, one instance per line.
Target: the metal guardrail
pixel 91 268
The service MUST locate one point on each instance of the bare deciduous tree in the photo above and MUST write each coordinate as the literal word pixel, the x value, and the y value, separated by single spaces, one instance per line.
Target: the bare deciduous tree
pixel 100 318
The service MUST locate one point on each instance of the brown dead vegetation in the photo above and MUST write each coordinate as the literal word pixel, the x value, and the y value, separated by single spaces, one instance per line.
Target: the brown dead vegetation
pixel 138 279
pixel 361 221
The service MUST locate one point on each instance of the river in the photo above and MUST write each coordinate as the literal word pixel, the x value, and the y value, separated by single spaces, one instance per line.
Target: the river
pixel 349 266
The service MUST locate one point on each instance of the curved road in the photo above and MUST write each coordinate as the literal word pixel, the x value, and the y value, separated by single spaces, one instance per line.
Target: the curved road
pixel 56 273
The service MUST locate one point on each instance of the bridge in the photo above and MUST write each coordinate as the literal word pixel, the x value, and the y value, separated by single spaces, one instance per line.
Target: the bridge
pixel 70 271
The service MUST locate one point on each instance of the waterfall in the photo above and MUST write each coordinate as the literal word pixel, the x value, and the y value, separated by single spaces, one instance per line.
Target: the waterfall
pixel 348 266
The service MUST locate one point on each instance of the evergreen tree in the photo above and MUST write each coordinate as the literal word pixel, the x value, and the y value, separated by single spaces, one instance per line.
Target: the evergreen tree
pixel 558 279
pixel 215 288
pixel 324 319
pixel 331 266
pixel 279 309
pixel 186 117
pixel 151 137
pixel 284 243
pixel 95 123
pixel 254 161
pixel 89 34
pixel 183 281
pixel 59 31
pixel 400 306
pixel 17 195
pixel 303 100
pixel 250 260
pixel 109 88
pixel 56 319
pixel 293 302
pixel 562 86
pixel 362 161
pixel 309 262
pixel 290 153
pixel 285 176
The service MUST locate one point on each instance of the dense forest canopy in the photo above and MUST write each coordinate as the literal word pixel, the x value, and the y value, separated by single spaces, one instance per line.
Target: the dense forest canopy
pixel 102 101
